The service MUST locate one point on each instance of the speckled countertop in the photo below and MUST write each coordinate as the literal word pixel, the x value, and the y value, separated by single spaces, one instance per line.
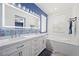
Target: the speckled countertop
pixel 9 41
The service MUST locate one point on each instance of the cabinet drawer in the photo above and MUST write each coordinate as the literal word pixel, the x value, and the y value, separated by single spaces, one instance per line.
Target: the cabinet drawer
pixel 11 48
pixel 16 53
pixel 35 51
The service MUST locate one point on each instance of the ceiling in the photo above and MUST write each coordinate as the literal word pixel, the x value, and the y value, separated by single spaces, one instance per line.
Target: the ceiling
pixel 51 8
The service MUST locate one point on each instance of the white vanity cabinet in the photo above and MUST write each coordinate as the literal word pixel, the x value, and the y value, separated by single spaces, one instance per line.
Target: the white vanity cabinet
pixel 24 49
pixel 16 53
pixel 27 47
pixel 38 45
pixel 35 46
pixel 17 49
pixel 9 50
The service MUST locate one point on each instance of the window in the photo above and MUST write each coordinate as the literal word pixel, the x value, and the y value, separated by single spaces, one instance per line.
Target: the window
pixel 43 23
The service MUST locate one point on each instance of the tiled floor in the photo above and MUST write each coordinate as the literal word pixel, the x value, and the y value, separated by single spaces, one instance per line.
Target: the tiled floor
pixel 45 52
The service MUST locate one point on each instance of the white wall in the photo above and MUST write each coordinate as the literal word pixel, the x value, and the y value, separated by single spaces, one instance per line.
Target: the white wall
pixel 76 13
pixel 58 22
pixel 0 14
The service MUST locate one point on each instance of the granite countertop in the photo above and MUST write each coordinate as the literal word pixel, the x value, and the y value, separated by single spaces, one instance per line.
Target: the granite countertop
pixel 6 42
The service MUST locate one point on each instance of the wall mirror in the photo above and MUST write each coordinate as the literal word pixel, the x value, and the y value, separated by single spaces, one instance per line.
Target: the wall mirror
pixel 20 21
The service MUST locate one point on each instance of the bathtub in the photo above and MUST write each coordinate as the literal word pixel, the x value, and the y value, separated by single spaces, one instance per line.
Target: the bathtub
pixel 68 46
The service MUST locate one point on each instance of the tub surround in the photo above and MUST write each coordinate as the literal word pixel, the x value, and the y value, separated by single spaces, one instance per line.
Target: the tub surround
pixel 67 45
pixel 69 39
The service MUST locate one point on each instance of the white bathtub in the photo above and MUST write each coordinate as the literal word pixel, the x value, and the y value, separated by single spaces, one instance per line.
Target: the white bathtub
pixel 65 45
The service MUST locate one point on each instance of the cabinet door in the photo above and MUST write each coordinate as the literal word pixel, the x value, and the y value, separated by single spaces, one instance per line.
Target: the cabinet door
pixel 26 51
pixel 16 53
pixel 22 52
pixel 28 48
pixel 35 46
pixel 42 43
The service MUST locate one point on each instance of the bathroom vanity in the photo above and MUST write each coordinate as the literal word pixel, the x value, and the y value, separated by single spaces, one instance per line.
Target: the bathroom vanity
pixel 29 45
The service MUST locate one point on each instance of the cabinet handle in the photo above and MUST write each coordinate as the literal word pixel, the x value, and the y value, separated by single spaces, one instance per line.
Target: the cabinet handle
pixel 20 46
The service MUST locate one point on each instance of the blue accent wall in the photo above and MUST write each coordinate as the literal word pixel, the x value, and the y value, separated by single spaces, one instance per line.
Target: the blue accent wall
pixel 34 8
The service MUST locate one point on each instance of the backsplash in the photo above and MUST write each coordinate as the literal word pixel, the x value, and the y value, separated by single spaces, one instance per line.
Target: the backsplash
pixel 16 31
